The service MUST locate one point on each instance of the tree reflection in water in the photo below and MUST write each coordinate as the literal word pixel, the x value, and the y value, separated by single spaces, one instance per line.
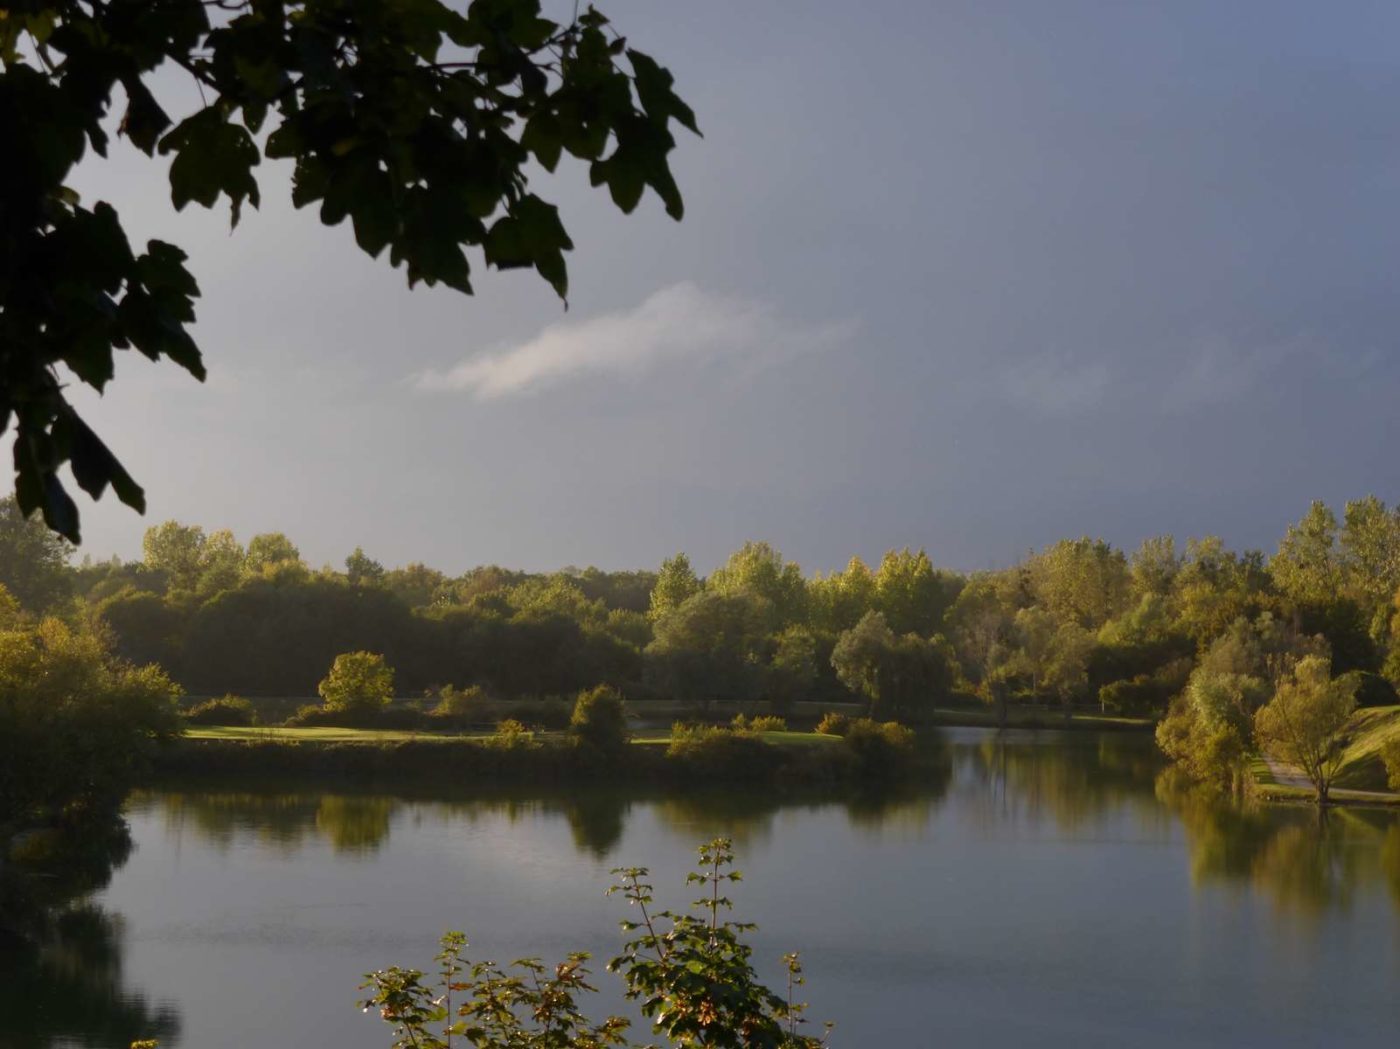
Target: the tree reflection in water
pixel 1305 860
pixel 62 956
pixel 1078 784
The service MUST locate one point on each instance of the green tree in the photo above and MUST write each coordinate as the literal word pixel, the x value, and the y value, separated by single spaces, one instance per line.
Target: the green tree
pixel 358 683
pixel 363 570
pixel 177 550
pixel 759 569
pixel 982 621
pixel 1304 722
pixel 1306 567
pixel 1084 580
pixel 32 559
pixel 711 647
pixel 269 549
pixel 913 596
pixel 838 601
pixel 676 583
pixel 1154 567
pixel 421 124
pixel 1215 587
pixel 793 668
pixel 221 563
pixel 896 676
pixel 75 725
pixel 1369 548
pixel 415 584
pixel 600 719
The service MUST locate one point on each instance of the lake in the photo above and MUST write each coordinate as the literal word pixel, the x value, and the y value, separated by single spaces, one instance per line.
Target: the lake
pixel 1048 889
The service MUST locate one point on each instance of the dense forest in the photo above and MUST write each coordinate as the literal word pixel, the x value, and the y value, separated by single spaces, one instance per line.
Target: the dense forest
pixel 1076 623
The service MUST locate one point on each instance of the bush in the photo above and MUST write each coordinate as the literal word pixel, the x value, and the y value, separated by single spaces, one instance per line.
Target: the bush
pixel 472 706
pixel 1212 753
pixel 358 682
pixel 599 719
pixel 690 972
pixel 719 752
pixel 758 723
pixel 512 735
pixel 882 748
pixel 833 724
pixel 226 710
pixel 463 706
pixel 1372 690
pixel 400 718
pixel 1390 754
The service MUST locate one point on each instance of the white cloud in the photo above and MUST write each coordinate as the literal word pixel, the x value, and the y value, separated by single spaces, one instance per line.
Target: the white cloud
pixel 1055 385
pixel 1220 370
pixel 680 322
pixel 1217 371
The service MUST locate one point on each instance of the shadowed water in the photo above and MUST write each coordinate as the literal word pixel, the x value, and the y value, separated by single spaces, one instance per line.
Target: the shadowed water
pixel 1043 888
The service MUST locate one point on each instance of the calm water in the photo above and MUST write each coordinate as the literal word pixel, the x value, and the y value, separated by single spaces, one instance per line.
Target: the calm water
pixel 1047 889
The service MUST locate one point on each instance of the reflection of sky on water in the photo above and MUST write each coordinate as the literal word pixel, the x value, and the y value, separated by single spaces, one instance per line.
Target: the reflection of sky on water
pixel 1062 890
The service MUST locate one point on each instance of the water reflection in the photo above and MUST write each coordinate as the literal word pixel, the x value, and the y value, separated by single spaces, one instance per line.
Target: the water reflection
pixel 1072 780
pixel 1050 866
pixel 1012 783
pixel 1303 860
pixel 362 824
pixel 61 956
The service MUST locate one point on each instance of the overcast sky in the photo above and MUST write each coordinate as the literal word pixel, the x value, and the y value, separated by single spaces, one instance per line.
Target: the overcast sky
pixel 969 276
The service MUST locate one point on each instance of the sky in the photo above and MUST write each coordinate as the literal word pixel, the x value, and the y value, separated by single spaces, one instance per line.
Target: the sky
pixel 968 276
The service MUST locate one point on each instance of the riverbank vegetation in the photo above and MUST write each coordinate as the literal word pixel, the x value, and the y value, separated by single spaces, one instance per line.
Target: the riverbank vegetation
pixel 1076 625
pixel 596 750
pixel 1216 645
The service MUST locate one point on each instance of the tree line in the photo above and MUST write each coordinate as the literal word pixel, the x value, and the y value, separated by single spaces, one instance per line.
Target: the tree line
pixel 1078 622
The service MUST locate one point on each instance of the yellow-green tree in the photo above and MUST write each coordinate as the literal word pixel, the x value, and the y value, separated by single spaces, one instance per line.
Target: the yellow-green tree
pixel 676 583
pixel 358 683
pixel 1304 721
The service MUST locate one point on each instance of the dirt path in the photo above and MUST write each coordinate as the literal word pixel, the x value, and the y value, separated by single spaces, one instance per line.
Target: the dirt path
pixel 1287 775
pixel 1290 776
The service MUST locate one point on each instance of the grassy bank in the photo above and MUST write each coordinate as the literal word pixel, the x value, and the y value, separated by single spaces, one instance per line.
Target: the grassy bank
pixel 1370 730
pixel 1362 778
pixel 382 757
pixel 1039 717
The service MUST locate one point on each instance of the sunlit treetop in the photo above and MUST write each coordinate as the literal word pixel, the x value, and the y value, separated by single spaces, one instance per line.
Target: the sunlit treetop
pixel 417 120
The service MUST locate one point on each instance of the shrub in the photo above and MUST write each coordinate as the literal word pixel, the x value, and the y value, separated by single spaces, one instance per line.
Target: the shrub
pixel 1372 690
pixel 461 705
pixel 720 752
pixel 833 724
pixel 690 972
pixel 401 718
pixel 1212 753
pixel 313 715
pixel 226 710
pixel 358 682
pixel 882 748
pixel 758 723
pixel 599 719
pixel 512 735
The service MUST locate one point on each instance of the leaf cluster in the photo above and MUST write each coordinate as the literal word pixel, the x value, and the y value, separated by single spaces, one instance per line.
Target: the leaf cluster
pixel 419 123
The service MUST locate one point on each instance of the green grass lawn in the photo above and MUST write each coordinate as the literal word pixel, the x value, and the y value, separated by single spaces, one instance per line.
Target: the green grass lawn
pixel 1041 717
pixel 364 735
pixel 662 738
pixel 1371 729
pixel 312 735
